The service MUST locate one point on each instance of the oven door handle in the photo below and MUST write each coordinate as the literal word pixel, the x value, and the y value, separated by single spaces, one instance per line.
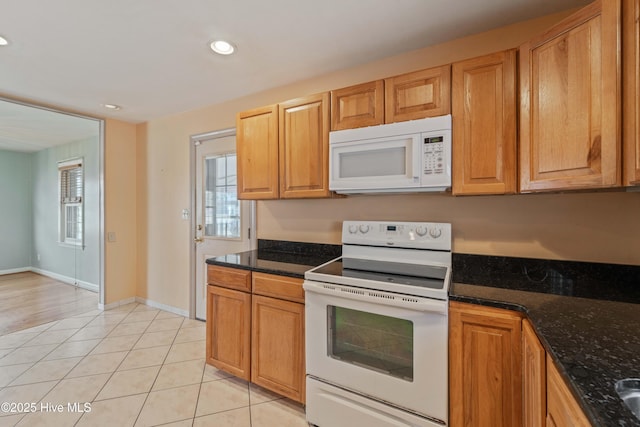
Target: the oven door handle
pixel 409 302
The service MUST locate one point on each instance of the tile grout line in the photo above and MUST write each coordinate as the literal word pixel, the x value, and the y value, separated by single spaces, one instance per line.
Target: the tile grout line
pixel 121 362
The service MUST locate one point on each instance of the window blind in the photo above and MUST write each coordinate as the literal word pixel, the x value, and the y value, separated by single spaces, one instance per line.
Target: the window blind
pixel 71 183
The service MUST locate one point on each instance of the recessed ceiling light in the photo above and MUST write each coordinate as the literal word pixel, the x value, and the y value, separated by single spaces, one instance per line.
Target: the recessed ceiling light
pixel 222 47
pixel 3 41
pixel 111 106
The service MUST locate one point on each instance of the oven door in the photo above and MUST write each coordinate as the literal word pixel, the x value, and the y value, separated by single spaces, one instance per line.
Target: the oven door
pixel 375 164
pixel 382 345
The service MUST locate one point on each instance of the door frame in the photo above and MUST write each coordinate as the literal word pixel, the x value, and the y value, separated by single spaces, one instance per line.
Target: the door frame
pixel 194 141
pixel 101 186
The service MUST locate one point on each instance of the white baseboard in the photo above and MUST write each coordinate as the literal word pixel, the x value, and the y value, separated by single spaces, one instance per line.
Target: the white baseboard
pixel 66 279
pixel 170 309
pixel 14 270
pixel 116 303
pixel 144 301
pixel 95 288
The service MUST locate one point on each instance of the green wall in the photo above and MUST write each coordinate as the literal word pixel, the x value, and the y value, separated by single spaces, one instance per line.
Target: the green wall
pixel 15 210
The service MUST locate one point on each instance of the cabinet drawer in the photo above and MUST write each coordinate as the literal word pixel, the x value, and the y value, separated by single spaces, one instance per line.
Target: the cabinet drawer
pixel 229 277
pixel 287 288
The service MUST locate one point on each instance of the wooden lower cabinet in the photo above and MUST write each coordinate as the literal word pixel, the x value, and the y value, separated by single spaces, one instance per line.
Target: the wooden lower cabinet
pixel 228 330
pixel 501 375
pixel 257 335
pixel 485 381
pixel 277 346
pixel 534 391
pixel 562 408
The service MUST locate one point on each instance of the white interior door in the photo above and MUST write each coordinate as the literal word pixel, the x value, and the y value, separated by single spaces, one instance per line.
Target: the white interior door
pixel 224 224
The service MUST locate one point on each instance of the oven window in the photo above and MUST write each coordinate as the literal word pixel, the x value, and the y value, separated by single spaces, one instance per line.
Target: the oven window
pixel 381 343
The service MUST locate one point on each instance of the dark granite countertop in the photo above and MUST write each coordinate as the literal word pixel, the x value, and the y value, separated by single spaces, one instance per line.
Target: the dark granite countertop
pixel 284 258
pixel 594 342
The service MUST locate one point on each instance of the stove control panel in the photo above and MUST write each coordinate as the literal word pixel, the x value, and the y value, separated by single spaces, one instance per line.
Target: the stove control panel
pixel 421 235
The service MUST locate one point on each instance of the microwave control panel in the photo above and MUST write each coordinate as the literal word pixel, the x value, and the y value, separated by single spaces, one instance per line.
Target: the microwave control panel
pixel 434 155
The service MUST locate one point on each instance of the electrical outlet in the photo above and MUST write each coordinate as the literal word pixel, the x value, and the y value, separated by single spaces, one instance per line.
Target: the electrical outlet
pixel 38 257
pixel 186 214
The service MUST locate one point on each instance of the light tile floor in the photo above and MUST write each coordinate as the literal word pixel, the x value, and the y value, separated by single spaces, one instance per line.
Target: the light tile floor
pixel 130 366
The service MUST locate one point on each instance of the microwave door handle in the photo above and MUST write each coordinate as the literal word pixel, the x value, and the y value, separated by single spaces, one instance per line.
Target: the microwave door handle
pixel 417 159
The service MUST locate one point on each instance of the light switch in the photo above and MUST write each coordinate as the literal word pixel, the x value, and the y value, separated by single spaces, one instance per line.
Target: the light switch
pixel 111 236
pixel 186 214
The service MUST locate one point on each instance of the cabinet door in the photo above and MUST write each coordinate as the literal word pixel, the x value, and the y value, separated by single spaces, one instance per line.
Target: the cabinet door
pixel 484 124
pixel 425 93
pixel 562 408
pixel 533 378
pixel 570 103
pixel 228 330
pixel 257 153
pixel 277 338
pixel 358 106
pixel 631 92
pixel 304 147
pixel 485 367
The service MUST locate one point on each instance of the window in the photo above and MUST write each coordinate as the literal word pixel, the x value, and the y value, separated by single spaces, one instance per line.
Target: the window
pixel 71 187
pixel 221 205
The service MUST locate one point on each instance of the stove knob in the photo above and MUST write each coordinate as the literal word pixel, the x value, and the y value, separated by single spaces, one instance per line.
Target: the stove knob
pixel 353 229
pixel 421 231
pixel 364 228
pixel 435 232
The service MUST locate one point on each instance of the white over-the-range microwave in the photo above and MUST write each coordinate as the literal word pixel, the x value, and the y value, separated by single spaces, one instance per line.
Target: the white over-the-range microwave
pixel 393 158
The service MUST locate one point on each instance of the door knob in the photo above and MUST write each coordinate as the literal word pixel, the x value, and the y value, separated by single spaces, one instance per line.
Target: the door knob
pixel 198 239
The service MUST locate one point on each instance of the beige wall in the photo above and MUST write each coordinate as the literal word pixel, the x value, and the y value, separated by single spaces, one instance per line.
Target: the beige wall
pixel 120 210
pixel 594 227
pixel 598 227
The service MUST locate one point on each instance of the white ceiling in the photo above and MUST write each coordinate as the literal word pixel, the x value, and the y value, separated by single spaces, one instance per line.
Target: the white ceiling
pixel 152 56
pixel 29 129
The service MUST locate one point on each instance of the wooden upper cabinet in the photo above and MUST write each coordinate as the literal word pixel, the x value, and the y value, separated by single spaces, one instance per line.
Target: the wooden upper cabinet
pixel 257 153
pixel 631 91
pixel 358 106
pixel 562 408
pixel 570 102
pixel 485 375
pixel 483 100
pixel 417 95
pixel 304 147
pixel 534 386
